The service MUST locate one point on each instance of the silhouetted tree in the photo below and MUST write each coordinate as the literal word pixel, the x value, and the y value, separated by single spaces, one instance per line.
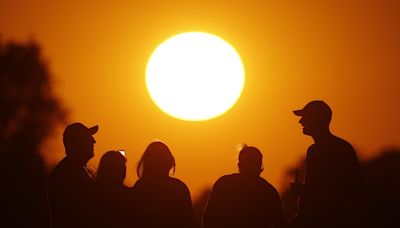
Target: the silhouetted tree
pixel 29 112
pixel 382 189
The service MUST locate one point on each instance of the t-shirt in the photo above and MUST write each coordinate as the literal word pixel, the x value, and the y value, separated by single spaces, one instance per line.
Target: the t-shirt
pixel 69 192
pixel 239 200
pixel 333 179
pixel 162 202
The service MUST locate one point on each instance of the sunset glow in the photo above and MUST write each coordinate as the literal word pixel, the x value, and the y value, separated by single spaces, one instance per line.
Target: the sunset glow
pixel 99 55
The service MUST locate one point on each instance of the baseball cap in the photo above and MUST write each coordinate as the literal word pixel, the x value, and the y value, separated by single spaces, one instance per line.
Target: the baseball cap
pixel 315 108
pixel 76 131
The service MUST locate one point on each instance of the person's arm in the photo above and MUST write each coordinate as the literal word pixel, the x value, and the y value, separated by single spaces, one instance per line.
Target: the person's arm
pixel 280 220
pixel 212 213
pixel 188 208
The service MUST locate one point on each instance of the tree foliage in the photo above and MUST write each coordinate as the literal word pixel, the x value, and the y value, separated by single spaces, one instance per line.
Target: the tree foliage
pixel 29 112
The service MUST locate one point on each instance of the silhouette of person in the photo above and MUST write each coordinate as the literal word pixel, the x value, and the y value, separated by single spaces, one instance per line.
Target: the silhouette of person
pixel 333 176
pixel 244 199
pixel 111 195
pixel 162 201
pixel 71 184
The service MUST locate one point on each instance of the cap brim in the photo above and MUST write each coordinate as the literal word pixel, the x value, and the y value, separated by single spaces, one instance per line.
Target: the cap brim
pixel 298 112
pixel 93 130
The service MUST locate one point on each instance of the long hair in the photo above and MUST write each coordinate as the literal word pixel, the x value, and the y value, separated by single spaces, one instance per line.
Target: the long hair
pixel 157 160
pixel 112 168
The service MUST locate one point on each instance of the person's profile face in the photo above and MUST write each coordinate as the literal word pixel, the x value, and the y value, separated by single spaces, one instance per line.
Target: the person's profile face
pixel 90 146
pixel 85 147
pixel 314 125
pixel 309 124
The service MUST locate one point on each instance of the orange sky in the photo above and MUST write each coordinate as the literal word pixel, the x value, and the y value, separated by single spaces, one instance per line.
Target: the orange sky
pixel 344 52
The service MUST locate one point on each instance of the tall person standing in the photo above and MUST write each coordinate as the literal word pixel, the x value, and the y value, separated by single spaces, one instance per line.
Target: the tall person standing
pixel 71 184
pixel 332 187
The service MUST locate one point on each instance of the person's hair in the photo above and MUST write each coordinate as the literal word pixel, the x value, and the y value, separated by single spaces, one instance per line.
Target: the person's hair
pixel 156 160
pixel 250 159
pixel 112 168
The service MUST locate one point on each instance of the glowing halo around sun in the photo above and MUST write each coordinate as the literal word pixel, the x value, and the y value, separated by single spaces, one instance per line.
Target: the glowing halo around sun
pixel 195 76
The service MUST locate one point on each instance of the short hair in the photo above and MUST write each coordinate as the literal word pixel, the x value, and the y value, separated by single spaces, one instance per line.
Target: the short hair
pixel 250 154
pixel 250 158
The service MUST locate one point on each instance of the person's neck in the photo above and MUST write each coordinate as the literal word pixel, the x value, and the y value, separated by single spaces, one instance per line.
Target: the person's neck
pixel 249 174
pixel 77 161
pixel 321 136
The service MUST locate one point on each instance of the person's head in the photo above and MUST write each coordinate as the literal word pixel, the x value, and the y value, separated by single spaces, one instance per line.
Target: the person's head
pixel 112 169
pixel 156 161
pixel 79 141
pixel 250 160
pixel 315 118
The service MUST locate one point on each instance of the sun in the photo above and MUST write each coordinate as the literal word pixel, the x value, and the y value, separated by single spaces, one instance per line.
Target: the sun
pixel 195 76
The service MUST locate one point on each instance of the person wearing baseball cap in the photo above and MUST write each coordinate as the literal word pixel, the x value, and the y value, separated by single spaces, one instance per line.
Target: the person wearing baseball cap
pixel 71 184
pixel 316 116
pixel 78 141
pixel 332 186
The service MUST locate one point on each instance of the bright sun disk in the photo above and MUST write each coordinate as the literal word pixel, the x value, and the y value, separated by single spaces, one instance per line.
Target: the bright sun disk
pixel 195 76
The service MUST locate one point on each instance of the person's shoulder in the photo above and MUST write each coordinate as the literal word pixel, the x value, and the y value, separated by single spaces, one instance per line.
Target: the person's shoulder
pixel 65 175
pixel 267 185
pixel 312 147
pixel 342 143
pixel 339 140
pixel 70 172
pixel 137 187
pixel 140 183
pixel 60 169
pixel 227 178
pixel 178 186
pixel 177 182
pixel 264 181
pixel 225 182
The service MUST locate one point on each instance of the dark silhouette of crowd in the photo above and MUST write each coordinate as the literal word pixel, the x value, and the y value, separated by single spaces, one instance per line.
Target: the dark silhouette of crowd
pixel 79 198
pixel 329 196
pixel 336 191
